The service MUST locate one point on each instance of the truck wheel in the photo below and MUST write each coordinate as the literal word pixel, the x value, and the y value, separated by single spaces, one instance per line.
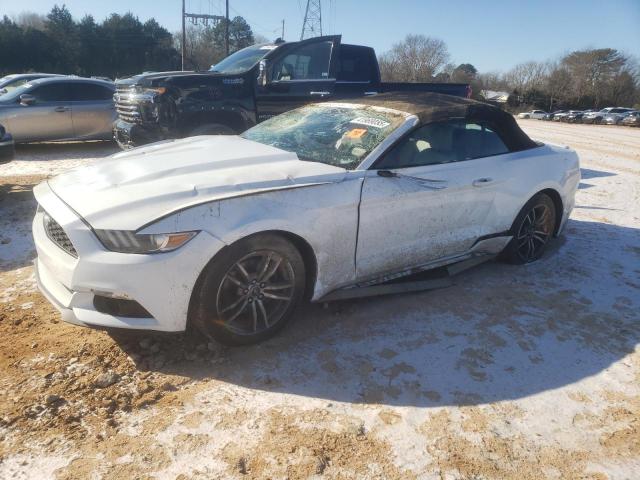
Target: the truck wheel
pixel 212 129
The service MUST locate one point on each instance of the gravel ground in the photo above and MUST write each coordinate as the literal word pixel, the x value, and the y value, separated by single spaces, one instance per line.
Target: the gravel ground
pixel 513 373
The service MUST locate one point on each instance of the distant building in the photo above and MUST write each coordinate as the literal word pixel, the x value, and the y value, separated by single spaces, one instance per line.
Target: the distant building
pixel 495 96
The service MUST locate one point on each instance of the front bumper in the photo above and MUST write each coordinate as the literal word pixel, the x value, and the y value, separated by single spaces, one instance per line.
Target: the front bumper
pixel 7 148
pixel 161 283
pixel 130 135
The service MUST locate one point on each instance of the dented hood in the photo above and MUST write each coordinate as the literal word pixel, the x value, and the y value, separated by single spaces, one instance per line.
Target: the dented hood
pixel 131 189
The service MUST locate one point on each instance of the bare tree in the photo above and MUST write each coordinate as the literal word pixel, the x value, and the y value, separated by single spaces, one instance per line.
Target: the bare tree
pixel 623 89
pixel 558 85
pixel 527 76
pixel 493 81
pixel 593 70
pixel 416 59
pixel 31 20
pixel 205 43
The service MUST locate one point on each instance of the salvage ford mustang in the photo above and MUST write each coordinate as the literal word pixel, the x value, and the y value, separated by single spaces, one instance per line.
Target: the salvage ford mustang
pixel 229 234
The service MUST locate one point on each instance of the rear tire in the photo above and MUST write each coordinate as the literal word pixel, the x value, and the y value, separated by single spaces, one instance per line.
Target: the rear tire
pixel 212 129
pixel 533 228
pixel 249 291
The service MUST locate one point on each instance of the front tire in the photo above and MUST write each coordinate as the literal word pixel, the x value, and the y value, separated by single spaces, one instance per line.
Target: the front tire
pixel 532 230
pixel 249 291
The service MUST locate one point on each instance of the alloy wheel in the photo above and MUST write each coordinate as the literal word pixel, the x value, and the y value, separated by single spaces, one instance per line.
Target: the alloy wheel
pixel 534 233
pixel 256 292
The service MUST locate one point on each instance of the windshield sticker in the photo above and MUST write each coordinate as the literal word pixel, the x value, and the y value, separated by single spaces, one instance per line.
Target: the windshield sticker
pixel 268 47
pixel 356 133
pixel 370 122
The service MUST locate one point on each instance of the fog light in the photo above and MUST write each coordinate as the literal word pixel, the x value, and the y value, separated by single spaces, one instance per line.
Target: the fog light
pixel 119 307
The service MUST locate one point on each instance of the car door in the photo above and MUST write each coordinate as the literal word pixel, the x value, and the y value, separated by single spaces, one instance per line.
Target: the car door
pixel 431 197
pixel 92 110
pixel 48 117
pixel 302 74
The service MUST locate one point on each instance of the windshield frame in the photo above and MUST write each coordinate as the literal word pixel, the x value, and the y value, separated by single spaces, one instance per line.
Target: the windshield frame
pixel 258 47
pixel 407 121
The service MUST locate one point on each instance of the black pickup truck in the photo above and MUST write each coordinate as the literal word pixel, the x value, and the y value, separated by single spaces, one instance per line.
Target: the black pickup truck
pixel 249 86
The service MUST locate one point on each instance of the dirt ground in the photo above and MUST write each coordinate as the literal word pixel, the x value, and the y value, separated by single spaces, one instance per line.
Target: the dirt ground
pixel 513 373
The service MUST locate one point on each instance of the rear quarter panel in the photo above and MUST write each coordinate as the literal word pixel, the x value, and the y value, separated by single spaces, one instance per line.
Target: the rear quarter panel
pixel 545 167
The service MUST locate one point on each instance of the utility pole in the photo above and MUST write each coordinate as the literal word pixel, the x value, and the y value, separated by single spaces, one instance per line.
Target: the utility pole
pixel 312 26
pixel 203 19
pixel 226 30
pixel 282 36
pixel 184 37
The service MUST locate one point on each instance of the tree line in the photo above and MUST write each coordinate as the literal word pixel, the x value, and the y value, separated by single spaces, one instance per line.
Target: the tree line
pixel 590 78
pixel 119 46
pixel 122 45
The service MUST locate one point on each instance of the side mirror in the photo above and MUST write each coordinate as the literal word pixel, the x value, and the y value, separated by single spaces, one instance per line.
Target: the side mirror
pixel 26 99
pixel 262 73
pixel 387 174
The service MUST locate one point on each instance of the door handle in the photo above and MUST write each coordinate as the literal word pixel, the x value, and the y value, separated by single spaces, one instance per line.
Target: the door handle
pixel 321 94
pixel 61 109
pixel 482 182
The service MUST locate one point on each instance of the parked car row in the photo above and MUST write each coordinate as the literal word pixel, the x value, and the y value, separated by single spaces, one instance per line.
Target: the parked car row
pixel 606 116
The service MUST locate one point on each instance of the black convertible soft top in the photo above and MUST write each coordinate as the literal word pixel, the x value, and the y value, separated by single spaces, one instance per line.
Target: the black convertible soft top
pixel 436 107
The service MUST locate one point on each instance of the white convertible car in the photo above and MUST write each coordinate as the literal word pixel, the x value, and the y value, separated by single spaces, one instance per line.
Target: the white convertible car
pixel 229 233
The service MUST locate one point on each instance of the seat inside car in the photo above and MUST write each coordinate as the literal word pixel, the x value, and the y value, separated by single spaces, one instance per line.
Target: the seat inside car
pixel 476 142
pixel 435 146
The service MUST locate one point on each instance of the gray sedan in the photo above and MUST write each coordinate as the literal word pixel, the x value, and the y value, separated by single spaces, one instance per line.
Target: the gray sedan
pixel 59 108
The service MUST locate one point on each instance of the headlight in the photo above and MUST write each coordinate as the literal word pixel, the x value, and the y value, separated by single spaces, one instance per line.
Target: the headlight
pixel 126 241
pixel 154 90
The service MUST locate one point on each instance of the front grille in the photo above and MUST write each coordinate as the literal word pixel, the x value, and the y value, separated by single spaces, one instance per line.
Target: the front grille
pixel 128 110
pixel 58 236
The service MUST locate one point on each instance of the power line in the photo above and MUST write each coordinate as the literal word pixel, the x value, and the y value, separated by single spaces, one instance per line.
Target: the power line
pixel 252 23
pixel 204 19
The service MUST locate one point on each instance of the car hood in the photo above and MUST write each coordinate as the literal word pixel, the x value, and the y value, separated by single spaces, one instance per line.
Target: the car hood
pixel 131 189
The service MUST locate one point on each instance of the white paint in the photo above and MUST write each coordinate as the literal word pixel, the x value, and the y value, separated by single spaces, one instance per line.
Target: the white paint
pixel 227 187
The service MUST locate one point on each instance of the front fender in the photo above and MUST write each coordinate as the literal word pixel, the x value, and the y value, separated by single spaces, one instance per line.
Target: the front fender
pixel 324 215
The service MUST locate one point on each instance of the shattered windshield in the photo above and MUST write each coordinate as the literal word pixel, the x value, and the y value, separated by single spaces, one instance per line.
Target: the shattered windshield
pixel 336 134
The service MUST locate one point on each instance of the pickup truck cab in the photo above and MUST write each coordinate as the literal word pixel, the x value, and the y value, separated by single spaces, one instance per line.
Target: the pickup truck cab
pixel 250 86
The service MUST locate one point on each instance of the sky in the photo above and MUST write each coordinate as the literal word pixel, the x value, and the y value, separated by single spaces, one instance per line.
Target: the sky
pixel 492 35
